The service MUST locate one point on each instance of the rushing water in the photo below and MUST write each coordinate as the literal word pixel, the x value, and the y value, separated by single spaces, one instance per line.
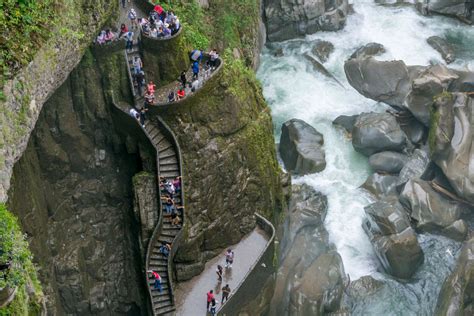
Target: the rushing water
pixel 294 90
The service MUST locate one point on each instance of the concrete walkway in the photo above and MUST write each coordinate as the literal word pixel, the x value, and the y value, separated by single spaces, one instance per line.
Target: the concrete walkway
pixel 190 296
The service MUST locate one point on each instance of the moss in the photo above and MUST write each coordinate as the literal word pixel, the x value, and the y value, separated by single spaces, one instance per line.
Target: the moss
pixel 22 272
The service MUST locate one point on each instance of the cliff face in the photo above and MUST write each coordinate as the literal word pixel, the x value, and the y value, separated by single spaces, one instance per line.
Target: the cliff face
pixel 33 85
pixel 72 191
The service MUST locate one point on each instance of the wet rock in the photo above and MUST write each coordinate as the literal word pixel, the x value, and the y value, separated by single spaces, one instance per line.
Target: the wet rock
pixel 416 165
pixel 287 19
pixel 443 47
pixel 320 287
pixel 301 147
pixel 413 128
pixel 394 241
pixel 278 52
pixel 431 211
pixel 377 132
pixel 459 9
pixel 346 121
pixel 429 83
pixel 450 141
pixel 322 50
pixel 387 161
pixel 385 81
pixel 457 293
pixel 364 286
pixel 381 185
pixel 318 67
pixel 311 277
pixel 369 50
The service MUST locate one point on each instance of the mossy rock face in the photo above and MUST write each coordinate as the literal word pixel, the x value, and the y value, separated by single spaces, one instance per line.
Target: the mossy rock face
pixel 165 59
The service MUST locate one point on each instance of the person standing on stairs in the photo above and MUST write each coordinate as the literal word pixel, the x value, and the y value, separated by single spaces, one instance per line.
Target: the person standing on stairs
pixel 140 79
pixel 129 39
pixel 137 64
pixel 142 117
pixel 183 79
pixel 195 70
pixel 132 15
pixel 157 277
pixel 124 3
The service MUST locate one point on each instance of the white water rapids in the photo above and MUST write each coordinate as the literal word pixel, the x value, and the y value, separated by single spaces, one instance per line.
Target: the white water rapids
pixel 294 90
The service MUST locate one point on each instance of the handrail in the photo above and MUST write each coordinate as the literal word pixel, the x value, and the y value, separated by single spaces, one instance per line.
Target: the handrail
pixel 269 242
pixel 162 38
pixel 130 77
pixel 177 238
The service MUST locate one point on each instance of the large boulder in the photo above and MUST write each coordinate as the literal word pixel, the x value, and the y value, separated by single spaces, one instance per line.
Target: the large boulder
pixel 376 132
pixel 368 50
pixel 416 165
pixel 301 147
pixel 461 9
pixel 394 241
pixel 456 297
pixel 387 161
pixel 450 140
pixel 431 211
pixel 443 47
pixel 286 19
pixel 384 81
pixel 345 121
pixel 381 185
pixel 429 83
pixel 322 50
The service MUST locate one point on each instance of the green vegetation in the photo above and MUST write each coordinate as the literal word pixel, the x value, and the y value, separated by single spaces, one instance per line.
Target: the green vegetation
pixel 14 249
pixel 26 24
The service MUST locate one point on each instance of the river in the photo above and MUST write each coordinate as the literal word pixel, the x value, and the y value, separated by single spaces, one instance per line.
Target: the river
pixel 294 90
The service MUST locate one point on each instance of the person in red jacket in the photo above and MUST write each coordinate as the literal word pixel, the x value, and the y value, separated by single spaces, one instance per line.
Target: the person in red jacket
pixel 210 297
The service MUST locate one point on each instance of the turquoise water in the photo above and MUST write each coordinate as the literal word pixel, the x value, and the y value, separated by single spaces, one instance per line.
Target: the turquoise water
pixel 294 90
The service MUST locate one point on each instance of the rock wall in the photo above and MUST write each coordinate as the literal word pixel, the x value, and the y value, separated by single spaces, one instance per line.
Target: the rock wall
pixel 28 91
pixel 72 192
pixel 286 19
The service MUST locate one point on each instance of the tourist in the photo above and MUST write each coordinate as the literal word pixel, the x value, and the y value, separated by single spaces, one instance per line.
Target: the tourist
pixel 213 307
pixel 129 39
pixel 195 85
pixel 166 31
pixel 124 3
pixel 132 15
pixel 134 113
pixel 158 9
pixel 123 30
pixel 101 38
pixel 177 184
pixel 219 272
pixel 169 188
pixel 151 87
pixel 171 97
pixel 153 32
pixel 207 71
pixel 195 55
pixel 181 94
pixel 210 297
pixel 165 249
pixel 149 98
pixel 137 64
pixel 225 293
pixel 109 36
pixel 229 258
pixel 142 117
pixel 140 80
pixel 183 79
pixel 175 219
pixel 213 57
pixel 157 277
pixel 195 70
pixel 169 204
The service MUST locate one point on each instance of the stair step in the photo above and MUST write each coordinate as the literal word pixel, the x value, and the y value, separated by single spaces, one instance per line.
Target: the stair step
pixel 169 174
pixel 169 153
pixel 162 305
pixel 166 239
pixel 163 311
pixel 161 298
pixel 155 292
pixel 157 138
pixel 170 167
pixel 170 160
pixel 164 147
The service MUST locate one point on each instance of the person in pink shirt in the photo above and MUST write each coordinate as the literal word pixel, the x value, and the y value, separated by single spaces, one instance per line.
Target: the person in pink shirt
pixel 210 297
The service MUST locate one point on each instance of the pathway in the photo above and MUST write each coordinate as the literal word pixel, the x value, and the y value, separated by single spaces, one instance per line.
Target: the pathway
pixel 190 296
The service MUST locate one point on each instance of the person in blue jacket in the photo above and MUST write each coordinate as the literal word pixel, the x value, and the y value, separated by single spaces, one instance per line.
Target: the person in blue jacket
pixel 195 70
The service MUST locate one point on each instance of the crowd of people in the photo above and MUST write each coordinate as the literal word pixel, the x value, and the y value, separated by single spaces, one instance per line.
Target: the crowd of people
pixel 159 24
pixel 210 296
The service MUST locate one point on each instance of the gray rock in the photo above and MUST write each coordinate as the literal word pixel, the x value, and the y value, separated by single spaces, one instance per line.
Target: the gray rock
pixel 364 286
pixel 459 9
pixel 286 19
pixel 451 143
pixel 387 161
pixel 430 210
pixel 394 241
pixel 413 128
pixel 345 121
pixel 317 66
pixel 322 50
pixel 376 132
pixel 369 50
pixel 429 83
pixel 416 165
pixel 384 81
pixel 278 52
pixel 381 185
pixel 301 147
pixel 443 47
pixel 457 293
